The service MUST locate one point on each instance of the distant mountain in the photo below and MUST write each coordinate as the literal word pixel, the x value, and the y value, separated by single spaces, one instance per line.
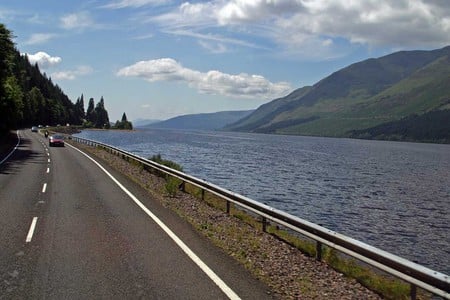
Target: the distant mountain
pixel 144 122
pixel 360 96
pixel 205 121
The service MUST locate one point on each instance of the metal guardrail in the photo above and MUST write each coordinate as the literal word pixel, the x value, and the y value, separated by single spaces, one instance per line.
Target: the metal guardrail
pixel 417 275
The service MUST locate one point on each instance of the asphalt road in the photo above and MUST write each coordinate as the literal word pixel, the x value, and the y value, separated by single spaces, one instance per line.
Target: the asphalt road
pixel 68 230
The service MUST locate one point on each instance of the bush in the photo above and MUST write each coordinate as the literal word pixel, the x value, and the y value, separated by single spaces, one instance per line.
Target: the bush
pixel 172 183
pixel 168 163
pixel 172 186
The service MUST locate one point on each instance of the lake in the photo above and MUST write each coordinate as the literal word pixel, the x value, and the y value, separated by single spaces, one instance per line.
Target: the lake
pixel 392 195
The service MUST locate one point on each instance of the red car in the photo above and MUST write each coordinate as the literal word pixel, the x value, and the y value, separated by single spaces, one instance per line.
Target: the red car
pixel 56 140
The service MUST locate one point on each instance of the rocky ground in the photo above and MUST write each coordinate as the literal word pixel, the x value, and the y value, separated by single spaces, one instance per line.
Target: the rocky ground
pixel 288 272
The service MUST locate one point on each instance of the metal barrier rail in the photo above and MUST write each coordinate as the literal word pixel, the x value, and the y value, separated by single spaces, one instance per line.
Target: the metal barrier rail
pixel 417 275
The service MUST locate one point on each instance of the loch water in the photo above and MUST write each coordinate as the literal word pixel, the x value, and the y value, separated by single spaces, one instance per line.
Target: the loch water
pixel 391 195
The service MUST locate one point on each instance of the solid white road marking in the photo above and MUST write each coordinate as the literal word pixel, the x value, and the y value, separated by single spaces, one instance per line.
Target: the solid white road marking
pixel 31 231
pixel 44 188
pixel 12 151
pixel 213 276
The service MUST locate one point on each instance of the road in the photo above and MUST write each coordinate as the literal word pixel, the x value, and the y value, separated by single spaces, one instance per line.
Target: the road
pixel 68 230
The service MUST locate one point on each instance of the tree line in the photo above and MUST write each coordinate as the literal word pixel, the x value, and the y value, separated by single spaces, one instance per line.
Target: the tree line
pixel 96 115
pixel 28 97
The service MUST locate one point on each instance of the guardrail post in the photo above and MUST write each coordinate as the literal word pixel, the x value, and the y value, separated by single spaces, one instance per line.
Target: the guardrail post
pixel 413 292
pixel 264 224
pixel 318 251
pixel 203 194
pixel 182 186
pixel 228 207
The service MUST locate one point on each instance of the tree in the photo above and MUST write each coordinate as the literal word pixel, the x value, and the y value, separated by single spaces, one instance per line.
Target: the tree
pixel 124 124
pixel 27 96
pixel 13 110
pixel 102 119
pixel 79 109
pixel 91 117
pixel 8 86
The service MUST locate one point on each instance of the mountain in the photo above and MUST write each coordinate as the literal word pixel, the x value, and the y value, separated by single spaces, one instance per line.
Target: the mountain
pixel 144 122
pixel 206 121
pixel 361 96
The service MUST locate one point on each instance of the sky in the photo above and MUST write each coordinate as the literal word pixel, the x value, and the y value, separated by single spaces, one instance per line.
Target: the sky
pixel 156 59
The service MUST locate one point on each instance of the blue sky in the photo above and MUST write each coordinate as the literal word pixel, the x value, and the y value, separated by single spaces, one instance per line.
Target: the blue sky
pixel 155 59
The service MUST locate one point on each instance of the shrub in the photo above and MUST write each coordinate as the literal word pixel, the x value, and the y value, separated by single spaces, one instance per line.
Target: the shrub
pixel 172 183
pixel 165 162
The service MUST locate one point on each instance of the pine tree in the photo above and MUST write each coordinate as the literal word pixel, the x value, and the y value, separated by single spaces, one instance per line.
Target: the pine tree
pixel 79 109
pixel 9 106
pixel 90 112
pixel 102 119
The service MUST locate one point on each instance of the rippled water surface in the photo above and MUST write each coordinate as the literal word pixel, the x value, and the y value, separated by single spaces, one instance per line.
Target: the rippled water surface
pixel 392 195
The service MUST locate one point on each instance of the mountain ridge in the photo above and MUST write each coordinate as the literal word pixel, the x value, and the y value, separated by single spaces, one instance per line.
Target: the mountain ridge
pixel 202 121
pixel 359 96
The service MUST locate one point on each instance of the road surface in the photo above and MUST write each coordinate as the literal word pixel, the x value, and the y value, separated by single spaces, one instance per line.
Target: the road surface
pixel 73 229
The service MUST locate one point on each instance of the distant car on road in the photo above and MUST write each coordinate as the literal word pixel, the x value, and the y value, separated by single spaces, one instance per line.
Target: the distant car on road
pixel 56 140
pixel 34 129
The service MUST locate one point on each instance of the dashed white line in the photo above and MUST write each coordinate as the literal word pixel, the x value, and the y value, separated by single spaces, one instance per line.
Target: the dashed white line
pixel 44 188
pixel 204 267
pixel 48 160
pixel 31 231
pixel 48 170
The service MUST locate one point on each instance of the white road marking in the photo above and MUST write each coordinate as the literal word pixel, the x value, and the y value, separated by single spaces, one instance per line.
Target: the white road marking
pixel 48 154
pixel 48 170
pixel 44 188
pixel 210 273
pixel 48 160
pixel 31 231
pixel 13 150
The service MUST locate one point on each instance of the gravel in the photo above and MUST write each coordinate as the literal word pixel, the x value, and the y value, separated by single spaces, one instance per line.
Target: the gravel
pixel 287 271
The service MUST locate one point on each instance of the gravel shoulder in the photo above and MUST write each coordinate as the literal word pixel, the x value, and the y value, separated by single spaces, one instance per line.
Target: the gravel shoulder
pixel 290 273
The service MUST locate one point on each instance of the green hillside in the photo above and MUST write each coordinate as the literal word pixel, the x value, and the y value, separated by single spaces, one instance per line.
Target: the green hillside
pixel 360 96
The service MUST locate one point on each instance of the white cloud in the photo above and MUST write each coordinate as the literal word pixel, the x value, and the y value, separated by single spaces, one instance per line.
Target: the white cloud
pixel 213 47
pixel 40 38
pixel 308 24
pixel 212 82
pixel 77 21
pixel 72 74
pixel 374 23
pixel 133 3
pixel 43 59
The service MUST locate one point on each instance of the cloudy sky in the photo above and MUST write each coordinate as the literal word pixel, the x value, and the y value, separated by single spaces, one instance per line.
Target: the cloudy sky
pixel 156 59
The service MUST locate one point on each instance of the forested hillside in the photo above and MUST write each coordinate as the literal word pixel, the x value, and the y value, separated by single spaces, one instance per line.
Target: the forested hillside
pixel 28 97
pixel 433 127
